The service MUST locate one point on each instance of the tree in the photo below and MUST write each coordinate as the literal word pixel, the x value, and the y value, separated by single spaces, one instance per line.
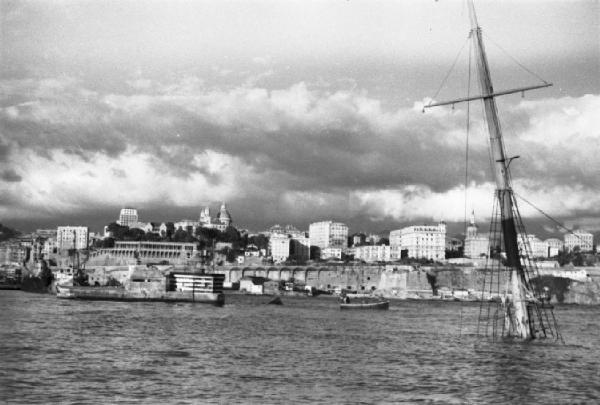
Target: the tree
pixel 260 240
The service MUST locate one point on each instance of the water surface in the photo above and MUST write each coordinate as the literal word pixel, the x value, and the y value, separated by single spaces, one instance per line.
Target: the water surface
pixel 306 351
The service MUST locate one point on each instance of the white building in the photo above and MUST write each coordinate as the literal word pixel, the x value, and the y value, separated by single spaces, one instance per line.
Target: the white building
pixel 420 241
pixel 128 216
pixel 539 248
pixel 279 246
pixel 373 253
pixel 331 253
pixel 328 234
pixel 554 246
pixel 72 237
pixel 584 240
pixel 476 245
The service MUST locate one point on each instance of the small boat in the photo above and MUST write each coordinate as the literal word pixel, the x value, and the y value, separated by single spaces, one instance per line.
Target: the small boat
pixel 366 305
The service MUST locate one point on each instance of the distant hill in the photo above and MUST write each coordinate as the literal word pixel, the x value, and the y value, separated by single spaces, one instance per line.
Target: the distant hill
pixel 7 233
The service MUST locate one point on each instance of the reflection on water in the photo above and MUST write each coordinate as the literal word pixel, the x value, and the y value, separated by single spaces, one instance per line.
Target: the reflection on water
pixel 304 351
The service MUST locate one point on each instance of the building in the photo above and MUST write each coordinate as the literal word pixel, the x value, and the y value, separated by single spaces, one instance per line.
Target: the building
pixel 147 251
pixel 419 242
pixel 539 248
pixel 187 225
pixel 279 246
pixel 476 244
pixel 327 235
pixel 358 239
pixel 554 246
pixel 46 233
pixel 584 240
pixel 221 222
pixel 128 216
pixel 289 230
pixel 72 237
pixel 373 253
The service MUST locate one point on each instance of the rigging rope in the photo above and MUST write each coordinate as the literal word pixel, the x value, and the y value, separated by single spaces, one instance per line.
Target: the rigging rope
pixel 450 71
pixel 515 60
pixel 467 140
pixel 548 216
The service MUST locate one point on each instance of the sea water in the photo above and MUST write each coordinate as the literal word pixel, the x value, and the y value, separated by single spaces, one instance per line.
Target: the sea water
pixel 305 351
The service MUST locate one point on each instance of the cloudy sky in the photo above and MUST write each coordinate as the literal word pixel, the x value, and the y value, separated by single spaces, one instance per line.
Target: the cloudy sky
pixel 290 111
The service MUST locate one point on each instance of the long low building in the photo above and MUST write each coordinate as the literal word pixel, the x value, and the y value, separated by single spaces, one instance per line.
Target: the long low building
pixel 146 250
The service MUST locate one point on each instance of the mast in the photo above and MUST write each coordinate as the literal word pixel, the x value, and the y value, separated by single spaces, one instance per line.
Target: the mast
pixel 516 315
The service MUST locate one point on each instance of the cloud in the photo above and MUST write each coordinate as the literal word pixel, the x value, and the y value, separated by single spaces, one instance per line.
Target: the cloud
pixel 10 175
pixel 292 152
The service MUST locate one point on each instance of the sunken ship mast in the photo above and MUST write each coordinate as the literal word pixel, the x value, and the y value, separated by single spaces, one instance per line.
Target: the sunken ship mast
pixel 522 310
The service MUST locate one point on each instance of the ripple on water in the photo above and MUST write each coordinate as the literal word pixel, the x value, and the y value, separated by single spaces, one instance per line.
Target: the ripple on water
pixel 303 352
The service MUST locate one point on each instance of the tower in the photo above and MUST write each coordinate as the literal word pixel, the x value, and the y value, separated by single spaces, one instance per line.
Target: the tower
pixel 224 216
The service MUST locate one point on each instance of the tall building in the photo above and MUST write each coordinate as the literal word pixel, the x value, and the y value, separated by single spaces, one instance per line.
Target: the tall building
pixel 584 240
pixel 279 246
pixel 476 244
pixel 328 236
pixel 420 242
pixel 128 216
pixel 72 237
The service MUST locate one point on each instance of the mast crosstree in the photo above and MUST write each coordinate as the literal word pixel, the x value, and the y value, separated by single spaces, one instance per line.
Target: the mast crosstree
pixel 524 311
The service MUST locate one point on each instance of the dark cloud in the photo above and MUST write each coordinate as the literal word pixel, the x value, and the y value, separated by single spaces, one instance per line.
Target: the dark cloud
pixel 10 175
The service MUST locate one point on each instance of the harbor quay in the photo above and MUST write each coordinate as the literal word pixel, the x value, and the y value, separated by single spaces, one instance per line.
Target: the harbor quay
pixel 580 286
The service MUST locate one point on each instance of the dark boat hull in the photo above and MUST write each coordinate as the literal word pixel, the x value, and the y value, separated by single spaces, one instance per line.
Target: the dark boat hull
pixel 383 305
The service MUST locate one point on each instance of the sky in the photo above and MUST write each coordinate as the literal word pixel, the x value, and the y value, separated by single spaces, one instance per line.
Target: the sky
pixel 292 112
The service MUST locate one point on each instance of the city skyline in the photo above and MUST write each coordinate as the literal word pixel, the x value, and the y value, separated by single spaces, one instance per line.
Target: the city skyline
pixel 291 113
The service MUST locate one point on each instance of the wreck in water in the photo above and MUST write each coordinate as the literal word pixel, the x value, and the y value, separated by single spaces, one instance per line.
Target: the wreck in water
pixel 523 313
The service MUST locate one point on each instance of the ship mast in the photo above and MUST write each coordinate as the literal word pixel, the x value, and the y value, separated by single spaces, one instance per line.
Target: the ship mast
pixel 517 314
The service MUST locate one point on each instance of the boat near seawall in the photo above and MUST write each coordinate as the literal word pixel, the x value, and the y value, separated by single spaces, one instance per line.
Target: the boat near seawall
pixel 366 305
pixel 150 286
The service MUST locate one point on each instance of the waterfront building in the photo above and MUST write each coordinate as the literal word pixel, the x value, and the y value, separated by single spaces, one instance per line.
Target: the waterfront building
pixel 128 216
pixel 584 240
pixel 373 253
pixel 554 246
pixel 72 237
pixel 328 234
pixel 420 242
pixel 221 222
